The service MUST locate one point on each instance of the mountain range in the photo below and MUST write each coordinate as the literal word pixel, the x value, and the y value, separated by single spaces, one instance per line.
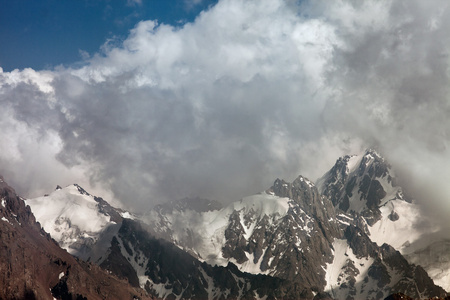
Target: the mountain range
pixel 351 234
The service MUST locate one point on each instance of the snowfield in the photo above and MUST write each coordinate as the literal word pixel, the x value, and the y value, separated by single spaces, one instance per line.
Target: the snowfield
pixel 337 271
pixel 69 216
pixel 406 233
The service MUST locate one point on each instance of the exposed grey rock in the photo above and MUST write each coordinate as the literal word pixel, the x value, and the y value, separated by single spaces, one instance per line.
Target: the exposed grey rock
pixel 235 241
pixel 393 216
pixel 182 276
pixel 361 183
pixel 390 270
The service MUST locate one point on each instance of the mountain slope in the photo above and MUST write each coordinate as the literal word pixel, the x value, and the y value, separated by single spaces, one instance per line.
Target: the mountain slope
pixel 348 237
pixel 81 223
pixel 166 271
pixel 33 266
pixel 292 232
pixel 363 270
pixel 131 252
pixel 283 232
pixel 361 184
pixel 364 189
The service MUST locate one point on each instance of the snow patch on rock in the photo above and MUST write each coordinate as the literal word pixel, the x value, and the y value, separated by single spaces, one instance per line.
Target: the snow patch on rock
pixel 6 220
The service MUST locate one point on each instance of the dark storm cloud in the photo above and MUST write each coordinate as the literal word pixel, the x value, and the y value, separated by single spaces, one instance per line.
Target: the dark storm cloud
pixel 249 92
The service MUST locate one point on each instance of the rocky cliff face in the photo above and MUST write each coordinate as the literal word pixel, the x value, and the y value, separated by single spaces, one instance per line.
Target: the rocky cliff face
pixel 33 266
pixel 285 232
pixel 292 232
pixel 166 271
pixel 365 191
pixel 294 246
pixel 363 270
pixel 360 184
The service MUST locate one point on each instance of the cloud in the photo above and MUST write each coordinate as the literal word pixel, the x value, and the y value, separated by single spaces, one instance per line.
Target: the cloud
pixel 250 91
pixel 83 54
pixel 190 4
pixel 134 2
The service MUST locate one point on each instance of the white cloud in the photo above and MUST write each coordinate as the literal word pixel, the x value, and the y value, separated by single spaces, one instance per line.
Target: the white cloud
pixel 251 91
pixel 134 2
pixel 190 4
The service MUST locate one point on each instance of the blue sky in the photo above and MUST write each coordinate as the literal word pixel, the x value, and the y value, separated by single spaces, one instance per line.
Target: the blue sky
pixel 45 33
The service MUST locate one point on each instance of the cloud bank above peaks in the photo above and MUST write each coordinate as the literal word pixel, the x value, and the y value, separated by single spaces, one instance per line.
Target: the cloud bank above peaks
pixel 250 91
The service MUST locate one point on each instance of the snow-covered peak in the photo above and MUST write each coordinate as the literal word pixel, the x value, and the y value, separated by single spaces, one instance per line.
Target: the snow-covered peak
pixel 80 189
pixel 347 165
pixel 69 203
pixel 305 180
pixel 339 172
pixel 69 215
pixel 281 186
pixel 360 182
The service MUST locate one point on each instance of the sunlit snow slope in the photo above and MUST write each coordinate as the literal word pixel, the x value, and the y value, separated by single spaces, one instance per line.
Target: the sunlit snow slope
pixel 77 220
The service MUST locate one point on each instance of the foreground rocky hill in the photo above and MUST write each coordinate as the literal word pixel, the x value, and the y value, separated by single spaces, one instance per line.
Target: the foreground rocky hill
pixel 33 266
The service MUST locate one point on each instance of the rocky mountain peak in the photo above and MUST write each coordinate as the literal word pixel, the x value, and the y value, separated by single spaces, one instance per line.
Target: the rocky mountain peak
pixel 301 190
pixel 360 184
pixel 12 208
pixel 341 168
pixel 374 165
pixel 305 194
pixel 77 220
pixel 81 190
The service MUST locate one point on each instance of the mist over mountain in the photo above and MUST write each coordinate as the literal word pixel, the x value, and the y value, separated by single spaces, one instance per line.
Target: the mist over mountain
pixel 250 90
